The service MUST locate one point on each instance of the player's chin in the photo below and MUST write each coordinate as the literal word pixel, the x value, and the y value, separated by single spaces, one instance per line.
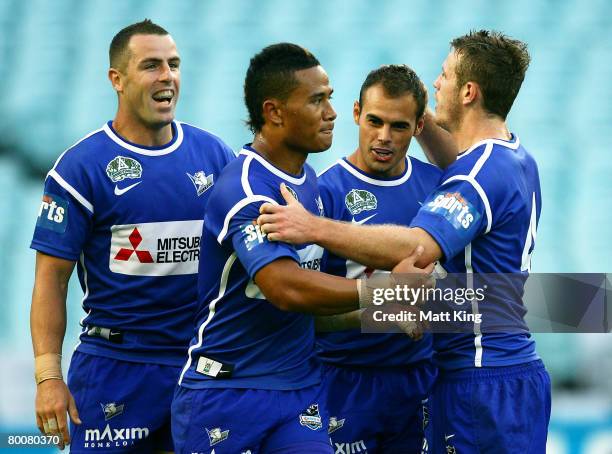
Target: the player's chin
pixel 324 141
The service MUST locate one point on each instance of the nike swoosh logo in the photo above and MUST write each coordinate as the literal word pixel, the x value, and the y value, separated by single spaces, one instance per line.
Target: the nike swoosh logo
pixel 363 220
pixel 126 189
pixel 448 437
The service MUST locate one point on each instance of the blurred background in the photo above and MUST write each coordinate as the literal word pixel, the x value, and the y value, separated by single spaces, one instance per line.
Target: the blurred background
pixel 54 65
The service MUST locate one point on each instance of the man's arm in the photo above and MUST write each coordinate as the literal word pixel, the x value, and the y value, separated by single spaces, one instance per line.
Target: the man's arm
pixel 339 322
pixel 291 288
pixel 48 326
pixel 377 246
pixel 437 143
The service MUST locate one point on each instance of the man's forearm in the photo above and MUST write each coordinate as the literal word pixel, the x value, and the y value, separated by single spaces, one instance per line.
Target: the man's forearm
pixel 48 311
pixel 377 246
pixel 339 322
pixel 47 321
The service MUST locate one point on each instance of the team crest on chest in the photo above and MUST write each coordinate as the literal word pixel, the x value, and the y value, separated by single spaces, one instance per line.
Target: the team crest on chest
pixel 201 181
pixel 123 167
pixel 358 200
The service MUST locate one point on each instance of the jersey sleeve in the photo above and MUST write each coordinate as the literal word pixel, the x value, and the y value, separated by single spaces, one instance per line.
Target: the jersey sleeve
pixel 252 247
pixel 64 223
pixel 454 214
pixel 233 223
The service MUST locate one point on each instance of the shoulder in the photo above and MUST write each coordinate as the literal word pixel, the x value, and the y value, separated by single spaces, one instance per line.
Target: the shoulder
pixel 424 168
pixel 83 150
pixel 332 176
pixel 205 138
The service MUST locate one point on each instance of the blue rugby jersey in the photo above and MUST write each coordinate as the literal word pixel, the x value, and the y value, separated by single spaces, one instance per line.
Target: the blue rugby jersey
pixel 241 340
pixel 131 216
pixel 351 195
pixel 484 216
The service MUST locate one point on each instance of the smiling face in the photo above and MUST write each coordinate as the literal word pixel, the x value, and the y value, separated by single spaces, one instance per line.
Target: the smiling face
pixel 308 116
pixel 148 85
pixel 448 104
pixel 386 126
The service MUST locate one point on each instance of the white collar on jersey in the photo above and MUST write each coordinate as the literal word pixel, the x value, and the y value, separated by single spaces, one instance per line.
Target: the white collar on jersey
pixel 146 151
pixel 375 181
pixel 276 171
pixel 512 144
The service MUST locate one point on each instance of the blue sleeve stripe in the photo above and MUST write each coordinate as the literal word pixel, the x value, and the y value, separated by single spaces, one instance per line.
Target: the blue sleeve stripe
pixel 212 307
pixel 236 208
pixel 480 192
pixel 73 192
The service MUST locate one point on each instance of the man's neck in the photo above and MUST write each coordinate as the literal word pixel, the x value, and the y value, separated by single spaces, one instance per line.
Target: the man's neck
pixel 283 157
pixel 478 126
pixel 135 132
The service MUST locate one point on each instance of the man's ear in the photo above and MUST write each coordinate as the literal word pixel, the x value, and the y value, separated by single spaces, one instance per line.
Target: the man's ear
pixel 273 112
pixel 116 79
pixel 470 93
pixel 419 126
pixel 356 112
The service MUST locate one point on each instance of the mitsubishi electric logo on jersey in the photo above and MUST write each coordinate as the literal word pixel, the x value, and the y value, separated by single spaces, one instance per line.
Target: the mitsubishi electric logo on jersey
pixel 455 208
pixel 156 248
pixel 358 200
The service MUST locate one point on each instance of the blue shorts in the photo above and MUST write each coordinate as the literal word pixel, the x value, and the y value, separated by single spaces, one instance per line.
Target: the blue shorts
pixel 492 409
pixel 253 421
pixel 124 406
pixel 378 410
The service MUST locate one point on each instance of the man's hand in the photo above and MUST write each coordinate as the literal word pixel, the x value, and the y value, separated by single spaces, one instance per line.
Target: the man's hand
pixel 290 223
pixel 53 401
pixel 408 265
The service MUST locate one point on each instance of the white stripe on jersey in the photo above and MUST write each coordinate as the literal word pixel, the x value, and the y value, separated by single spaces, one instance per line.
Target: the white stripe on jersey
pixel 85 295
pixel 211 311
pixel 375 181
pixel 64 184
pixel 71 147
pixel 279 173
pixel 244 177
pixel 480 162
pixel 236 208
pixel 480 192
pixel 328 167
pixel 470 284
pixel 144 151
pixel 512 145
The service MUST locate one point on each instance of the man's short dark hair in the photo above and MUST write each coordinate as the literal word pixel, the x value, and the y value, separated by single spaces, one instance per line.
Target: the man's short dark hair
pixel 119 45
pixel 271 74
pixel 397 80
pixel 496 62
